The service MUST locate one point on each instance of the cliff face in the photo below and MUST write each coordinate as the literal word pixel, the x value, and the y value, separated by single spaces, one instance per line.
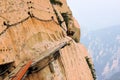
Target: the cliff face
pixel 45 33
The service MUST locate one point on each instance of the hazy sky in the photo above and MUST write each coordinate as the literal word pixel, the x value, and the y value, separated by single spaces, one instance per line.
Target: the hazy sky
pixel 96 14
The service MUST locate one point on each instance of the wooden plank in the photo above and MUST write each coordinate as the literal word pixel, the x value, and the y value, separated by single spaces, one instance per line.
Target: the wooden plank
pixel 22 72
pixel 21 69
pixel 19 72
pixel 49 52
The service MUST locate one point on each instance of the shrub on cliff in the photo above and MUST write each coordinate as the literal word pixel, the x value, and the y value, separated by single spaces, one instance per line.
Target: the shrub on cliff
pixel 56 2
pixel 91 66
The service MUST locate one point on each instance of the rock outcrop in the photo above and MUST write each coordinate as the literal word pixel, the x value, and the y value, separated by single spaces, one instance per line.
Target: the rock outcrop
pixel 45 33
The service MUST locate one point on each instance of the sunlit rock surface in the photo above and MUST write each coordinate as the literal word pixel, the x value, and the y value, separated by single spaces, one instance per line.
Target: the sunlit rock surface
pixel 28 28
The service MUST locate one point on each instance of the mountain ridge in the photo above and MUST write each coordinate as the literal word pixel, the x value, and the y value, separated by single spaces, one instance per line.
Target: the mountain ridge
pixel 104 46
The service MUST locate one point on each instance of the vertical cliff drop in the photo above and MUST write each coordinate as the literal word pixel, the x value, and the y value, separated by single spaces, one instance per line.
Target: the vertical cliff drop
pixel 39 40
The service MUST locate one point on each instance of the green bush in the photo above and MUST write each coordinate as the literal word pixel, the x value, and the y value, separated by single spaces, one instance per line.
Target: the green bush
pixel 66 17
pixel 56 2
pixel 91 66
